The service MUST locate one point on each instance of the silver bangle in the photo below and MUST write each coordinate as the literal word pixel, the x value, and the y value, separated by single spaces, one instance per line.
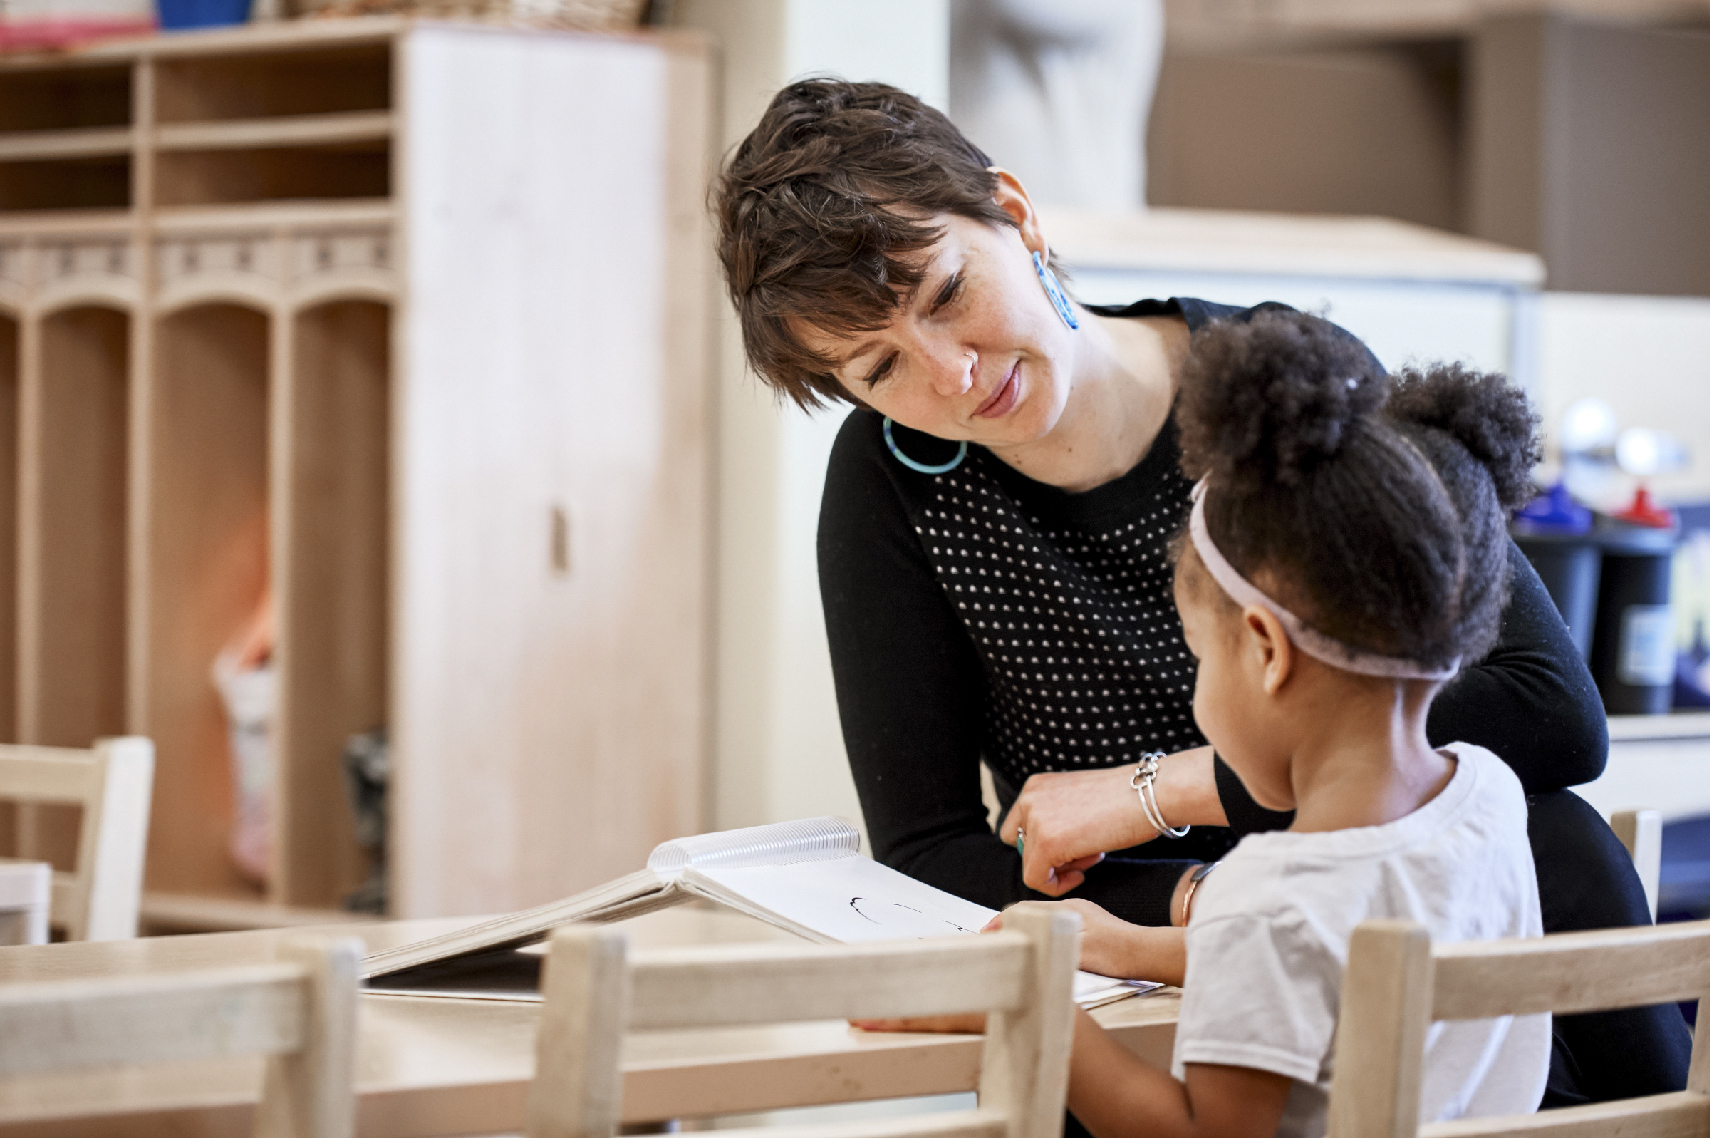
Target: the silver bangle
pixel 1144 776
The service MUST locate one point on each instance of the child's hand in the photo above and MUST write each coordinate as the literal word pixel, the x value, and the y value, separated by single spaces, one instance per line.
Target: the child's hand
pixel 973 1023
pixel 1111 946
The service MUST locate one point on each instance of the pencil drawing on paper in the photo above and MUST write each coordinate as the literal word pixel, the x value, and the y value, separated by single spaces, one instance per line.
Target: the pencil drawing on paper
pixel 905 920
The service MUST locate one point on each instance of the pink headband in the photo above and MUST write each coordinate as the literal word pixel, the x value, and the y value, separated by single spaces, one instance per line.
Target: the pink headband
pixel 1313 643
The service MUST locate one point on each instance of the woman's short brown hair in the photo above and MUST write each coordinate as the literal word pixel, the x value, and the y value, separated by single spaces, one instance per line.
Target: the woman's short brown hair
pixel 820 209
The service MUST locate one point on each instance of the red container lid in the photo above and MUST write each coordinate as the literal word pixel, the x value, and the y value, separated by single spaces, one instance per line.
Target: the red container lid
pixel 1644 512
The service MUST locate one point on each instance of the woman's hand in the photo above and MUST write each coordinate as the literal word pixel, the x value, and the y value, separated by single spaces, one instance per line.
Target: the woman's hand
pixel 1070 819
pixel 1110 946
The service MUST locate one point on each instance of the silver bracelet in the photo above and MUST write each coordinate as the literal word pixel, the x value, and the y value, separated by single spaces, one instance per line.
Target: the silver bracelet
pixel 1144 776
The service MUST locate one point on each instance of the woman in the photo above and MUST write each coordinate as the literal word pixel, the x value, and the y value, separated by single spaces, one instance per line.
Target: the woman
pixel 992 557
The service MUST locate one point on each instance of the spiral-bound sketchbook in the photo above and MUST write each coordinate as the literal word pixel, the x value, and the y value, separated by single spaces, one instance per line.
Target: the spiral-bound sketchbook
pixel 807 877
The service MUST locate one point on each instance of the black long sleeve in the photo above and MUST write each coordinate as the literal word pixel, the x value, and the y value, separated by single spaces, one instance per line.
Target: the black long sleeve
pixel 1531 700
pixel 911 694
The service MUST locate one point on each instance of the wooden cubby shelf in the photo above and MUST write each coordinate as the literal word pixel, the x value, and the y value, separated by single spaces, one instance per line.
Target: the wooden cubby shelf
pixel 247 352
pixel 97 182
pixel 88 142
pixel 310 80
pixel 351 126
pixel 356 169
pixel 64 95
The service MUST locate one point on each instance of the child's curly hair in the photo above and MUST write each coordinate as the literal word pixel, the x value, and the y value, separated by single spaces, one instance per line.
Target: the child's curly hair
pixel 1372 507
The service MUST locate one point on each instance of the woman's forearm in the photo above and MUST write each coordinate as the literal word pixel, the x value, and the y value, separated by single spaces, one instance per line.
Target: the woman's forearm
pixel 1061 817
pixel 1187 789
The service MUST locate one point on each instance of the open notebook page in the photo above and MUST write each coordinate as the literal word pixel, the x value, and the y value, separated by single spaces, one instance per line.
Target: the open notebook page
pixel 852 898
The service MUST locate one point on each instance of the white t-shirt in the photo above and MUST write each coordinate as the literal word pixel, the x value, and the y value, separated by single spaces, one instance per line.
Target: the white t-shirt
pixel 1269 940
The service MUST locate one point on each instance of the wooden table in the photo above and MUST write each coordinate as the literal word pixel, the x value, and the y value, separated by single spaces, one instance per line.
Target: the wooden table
pixel 26 891
pixel 443 1067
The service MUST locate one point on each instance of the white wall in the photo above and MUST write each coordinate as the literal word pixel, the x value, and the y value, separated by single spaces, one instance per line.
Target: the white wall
pixel 1401 321
pixel 778 750
pixel 1649 356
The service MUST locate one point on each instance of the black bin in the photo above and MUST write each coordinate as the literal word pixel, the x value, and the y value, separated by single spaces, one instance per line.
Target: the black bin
pixel 1632 643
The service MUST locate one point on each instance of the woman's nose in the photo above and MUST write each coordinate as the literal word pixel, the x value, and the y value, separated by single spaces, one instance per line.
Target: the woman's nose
pixel 952 372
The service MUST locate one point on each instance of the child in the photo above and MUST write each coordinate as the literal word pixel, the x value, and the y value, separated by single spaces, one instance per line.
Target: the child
pixel 1346 551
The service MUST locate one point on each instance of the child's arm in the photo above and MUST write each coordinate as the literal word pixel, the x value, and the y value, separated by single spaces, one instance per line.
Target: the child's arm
pixel 1111 946
pixel 1116 1094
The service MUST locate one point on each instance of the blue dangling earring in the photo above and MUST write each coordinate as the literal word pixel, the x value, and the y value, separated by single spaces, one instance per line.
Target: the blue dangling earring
pixel 943 468
pixel 1054 290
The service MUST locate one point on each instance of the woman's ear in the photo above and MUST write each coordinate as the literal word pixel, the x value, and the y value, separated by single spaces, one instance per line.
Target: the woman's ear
pixel 1272 650
pixel 1011 197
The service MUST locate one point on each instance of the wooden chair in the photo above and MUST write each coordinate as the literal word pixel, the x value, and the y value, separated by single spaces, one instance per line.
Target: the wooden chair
pixel 300 1011
pixel 1398 982
pixel 1022 977
pixel 113 783
pixel 1641 832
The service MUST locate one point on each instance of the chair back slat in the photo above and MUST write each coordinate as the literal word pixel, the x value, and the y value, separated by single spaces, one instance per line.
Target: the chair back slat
pixel 1022 977
pixel 587 992
pixel 1397 983
pixel 1572 972
pixel 310 1092
pixel 1679 1115
pixel 65 1025
pixel 69 894
pixel 1641 832
pixel 1025 1066
pixel 1698 1071
pixel 948 1124
pixel 732 985
pixel 299 1012
pixel 62 776
pixel 1380 1035
pixel 112 782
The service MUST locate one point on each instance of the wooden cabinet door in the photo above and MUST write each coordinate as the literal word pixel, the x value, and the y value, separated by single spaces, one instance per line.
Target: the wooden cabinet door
pixel 551 429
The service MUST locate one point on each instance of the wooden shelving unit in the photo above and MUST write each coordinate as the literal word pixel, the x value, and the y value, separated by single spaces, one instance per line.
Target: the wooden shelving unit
pixel 327 310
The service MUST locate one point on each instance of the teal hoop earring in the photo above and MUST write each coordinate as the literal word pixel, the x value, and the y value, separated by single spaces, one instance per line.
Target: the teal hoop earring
pixel 1054 290
pixel 943 468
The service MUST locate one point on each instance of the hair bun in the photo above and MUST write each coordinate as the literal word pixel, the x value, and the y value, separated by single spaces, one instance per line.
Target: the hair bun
pixel 1268 400
pixel 1483 412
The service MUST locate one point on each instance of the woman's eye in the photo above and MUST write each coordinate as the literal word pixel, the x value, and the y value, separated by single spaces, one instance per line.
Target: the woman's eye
pixel 952 288
pixel 880 372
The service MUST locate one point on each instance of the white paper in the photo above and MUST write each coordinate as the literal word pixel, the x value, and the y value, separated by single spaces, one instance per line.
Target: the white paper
pixel 854 899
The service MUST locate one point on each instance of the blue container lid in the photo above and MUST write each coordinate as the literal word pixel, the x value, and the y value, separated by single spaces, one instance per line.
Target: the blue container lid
pixel 1553 512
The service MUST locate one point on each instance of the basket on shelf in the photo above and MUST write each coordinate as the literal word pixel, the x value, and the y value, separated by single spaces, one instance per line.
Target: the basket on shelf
pixel 584 15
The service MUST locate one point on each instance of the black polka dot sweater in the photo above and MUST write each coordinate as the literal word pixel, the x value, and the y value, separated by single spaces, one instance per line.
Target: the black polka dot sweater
pixel 977 615
pixel 1068 606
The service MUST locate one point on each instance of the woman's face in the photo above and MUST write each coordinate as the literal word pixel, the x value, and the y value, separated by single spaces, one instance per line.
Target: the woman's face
pixel 977 352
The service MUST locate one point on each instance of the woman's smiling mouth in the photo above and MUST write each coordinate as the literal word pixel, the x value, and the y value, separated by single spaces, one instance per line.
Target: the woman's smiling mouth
pixel 1003 399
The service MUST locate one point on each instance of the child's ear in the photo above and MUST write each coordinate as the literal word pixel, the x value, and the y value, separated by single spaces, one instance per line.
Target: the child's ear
pixel 1274 651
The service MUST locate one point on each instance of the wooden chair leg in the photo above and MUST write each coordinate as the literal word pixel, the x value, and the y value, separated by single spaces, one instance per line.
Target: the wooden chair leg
pixel 577 1090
